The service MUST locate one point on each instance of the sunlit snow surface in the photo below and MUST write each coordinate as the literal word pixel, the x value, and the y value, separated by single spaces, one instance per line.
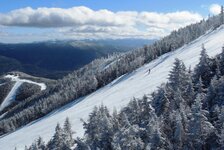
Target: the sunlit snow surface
pixel 116 94
pixel 12 94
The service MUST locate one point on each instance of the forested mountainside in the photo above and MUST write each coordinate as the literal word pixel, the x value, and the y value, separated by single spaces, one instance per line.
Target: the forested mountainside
pixel 187 112
pixel 98 74
pixel 55 59
pixel 17 86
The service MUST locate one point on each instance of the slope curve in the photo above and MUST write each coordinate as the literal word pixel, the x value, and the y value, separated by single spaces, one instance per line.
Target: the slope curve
pixel 116 94
pixel 12 94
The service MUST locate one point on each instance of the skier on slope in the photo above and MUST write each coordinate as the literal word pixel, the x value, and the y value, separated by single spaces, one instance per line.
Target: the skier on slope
pixel 149 71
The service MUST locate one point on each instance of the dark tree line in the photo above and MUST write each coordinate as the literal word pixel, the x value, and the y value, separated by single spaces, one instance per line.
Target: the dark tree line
pixel 184 113
pixel 5 89
pixel 99 73
pixel 26 90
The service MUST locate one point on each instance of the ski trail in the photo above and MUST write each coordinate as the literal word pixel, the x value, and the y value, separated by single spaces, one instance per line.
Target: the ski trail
pixel 11 96
pixel 16 78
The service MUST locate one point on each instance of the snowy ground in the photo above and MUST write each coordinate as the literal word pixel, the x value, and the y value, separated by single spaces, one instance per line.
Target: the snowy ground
pixel 12 94
pixel 17 79
pixel 116 94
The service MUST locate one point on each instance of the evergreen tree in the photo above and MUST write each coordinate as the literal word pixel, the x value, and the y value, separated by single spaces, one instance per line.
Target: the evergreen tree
pixel 69 141
pixel 199 126
pixel 203 69
pixel 57 142
pixel 211 94
pixel 221 137
pixel 160 102
pixel 221 62
pixel 128 138
pixel 81 145
pixel 157 141
pixel 179 133
pixel 179 88
pixel 146 111
pixel 189 92
pixel 91 129
pixel 178 76
pixel 105 132
pixel 133 111
pixel 222 15
pixel 40 144
pixel 99 129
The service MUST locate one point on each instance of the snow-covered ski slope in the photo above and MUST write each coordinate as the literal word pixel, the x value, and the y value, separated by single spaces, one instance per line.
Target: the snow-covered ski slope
pixel 116 94
pixel 12 94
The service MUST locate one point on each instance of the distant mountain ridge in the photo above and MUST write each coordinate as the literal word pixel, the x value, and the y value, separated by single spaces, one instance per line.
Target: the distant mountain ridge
pixel 54 59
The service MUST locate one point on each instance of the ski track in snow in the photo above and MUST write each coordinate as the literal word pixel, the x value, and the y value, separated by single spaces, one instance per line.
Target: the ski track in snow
pixel 12 94
pixel 116 94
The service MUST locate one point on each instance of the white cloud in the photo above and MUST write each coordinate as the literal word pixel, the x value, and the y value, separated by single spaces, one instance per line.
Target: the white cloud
pixel 83 22
pixel 215 9
pixel 58 17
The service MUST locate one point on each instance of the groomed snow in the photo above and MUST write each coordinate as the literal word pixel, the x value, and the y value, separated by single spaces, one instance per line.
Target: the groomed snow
pixel 116 94
pixel 12 94
pixel 17 79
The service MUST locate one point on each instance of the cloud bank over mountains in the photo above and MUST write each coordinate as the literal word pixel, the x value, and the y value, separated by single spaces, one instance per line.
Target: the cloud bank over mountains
pixel 83 22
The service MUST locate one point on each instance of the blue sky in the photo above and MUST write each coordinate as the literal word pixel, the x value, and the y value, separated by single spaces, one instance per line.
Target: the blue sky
pixel 115 5
pixel 144 18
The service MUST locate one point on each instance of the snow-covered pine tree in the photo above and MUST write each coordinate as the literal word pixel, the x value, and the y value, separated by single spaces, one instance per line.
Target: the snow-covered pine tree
pixel 212 93
pixel 40 144
pixel 160 101
pixel 146 111
pixel 203 68
pixel 189 92
pixel 99 129
pixel 133 111
pixel 68 133
pixel 179 133
pixel 199 127
pixel 221 63
pixel 177 86
pixel 221 137
pixel 81 145
pixel 58 141
pixel 222 15
pixel 105 131
pixel 157 141
pixel 128 138
pixel 219 125
pixel 178 75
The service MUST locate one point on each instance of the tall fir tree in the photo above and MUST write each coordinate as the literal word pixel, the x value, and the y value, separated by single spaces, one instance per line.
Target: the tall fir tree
pixel 199 127
pixel 203 69
pixel 221 63
pixel 68 133
pixel 222 15
pixel 58 141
